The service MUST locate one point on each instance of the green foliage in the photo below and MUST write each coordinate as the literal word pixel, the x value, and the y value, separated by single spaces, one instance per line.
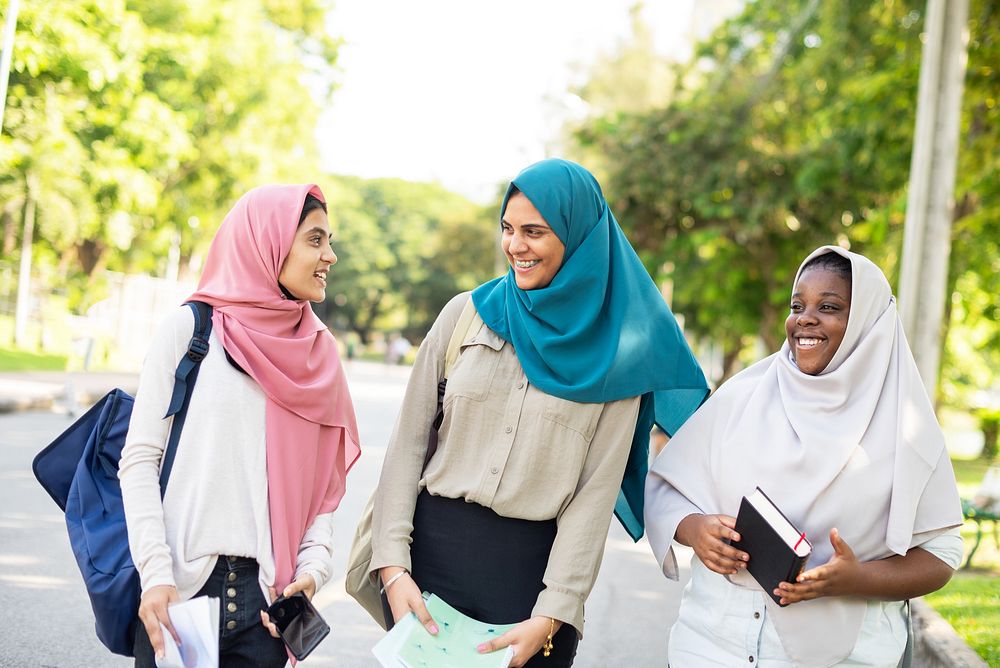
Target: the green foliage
pixel 404 249
pixel 971 604
pixel 128 123
pixel 792 128
pixel 989 422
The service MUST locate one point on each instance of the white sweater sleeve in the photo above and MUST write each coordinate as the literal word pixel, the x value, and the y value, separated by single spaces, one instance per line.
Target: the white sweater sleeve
pixel 316 550
pixel 139 467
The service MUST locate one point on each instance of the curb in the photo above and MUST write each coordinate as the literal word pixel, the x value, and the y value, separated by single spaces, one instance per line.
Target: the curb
pixel 33 404
pixel 936 645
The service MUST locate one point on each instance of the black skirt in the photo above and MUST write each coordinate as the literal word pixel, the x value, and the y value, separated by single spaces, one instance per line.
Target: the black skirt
pixel 486 566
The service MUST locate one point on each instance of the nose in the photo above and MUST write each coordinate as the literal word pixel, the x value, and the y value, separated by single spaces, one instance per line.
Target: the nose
pixel 806 317
pixel 329 256
pixel 517 244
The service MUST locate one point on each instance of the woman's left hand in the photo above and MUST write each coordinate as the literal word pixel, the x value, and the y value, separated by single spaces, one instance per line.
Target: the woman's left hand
pixel 838 577
pixel 305 584
pixel 526 638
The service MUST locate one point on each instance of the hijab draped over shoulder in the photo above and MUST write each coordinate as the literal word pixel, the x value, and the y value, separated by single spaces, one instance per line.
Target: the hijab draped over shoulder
pixel 856 447
pixel 600 331
pixel 311 433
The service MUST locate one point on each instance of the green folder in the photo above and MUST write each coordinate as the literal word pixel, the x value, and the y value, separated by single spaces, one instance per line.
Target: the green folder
pixel 455 644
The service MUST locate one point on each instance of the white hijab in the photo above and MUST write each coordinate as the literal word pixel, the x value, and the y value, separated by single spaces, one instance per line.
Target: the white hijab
pixel 856 447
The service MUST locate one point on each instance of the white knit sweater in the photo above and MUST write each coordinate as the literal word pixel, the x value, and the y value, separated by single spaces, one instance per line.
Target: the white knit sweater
pixel 216 499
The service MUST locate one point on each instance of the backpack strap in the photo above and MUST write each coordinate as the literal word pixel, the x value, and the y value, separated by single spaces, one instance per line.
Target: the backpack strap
pixel 463 328
pixel 184 377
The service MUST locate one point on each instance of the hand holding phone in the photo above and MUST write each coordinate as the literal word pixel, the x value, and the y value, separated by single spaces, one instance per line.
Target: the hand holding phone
pixel 299 624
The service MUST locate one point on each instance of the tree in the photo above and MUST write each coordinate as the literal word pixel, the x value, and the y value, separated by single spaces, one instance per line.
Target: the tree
pixel 791 128
pixel 404 250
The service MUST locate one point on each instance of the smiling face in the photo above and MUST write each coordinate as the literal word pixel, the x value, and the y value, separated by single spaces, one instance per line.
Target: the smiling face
pixel 821 304
pixel 533 250
pixel 305 269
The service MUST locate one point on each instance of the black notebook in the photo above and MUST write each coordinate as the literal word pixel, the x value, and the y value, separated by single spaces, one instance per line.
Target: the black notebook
pixel 778 551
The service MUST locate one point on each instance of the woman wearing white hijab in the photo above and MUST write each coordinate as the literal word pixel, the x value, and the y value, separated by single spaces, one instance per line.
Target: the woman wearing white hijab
pixel 836 428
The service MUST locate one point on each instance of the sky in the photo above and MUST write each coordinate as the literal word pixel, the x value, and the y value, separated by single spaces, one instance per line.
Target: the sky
pixel 468 92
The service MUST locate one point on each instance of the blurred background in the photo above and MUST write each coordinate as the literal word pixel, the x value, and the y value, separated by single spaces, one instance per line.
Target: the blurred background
pixel 731 137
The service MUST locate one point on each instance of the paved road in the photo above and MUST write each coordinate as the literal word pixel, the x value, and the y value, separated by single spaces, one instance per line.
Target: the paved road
pixel 48 620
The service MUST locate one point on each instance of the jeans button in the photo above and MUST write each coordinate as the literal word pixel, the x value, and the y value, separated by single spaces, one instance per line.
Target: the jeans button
pixel 231 577
pixel 231 592
pixel 231 624
pixel 231 607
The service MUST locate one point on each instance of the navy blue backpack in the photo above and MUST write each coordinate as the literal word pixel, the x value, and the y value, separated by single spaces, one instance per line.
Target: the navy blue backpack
pixel 79 470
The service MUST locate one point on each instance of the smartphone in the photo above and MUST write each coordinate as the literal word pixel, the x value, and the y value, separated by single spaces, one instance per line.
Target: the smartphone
pixel 299 624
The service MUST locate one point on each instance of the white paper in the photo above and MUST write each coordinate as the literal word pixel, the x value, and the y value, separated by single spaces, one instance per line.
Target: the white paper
pixel 387 649
pixel 197 624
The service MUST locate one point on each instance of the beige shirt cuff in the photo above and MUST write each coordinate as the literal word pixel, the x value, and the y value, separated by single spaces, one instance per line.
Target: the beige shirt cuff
pixel 565 606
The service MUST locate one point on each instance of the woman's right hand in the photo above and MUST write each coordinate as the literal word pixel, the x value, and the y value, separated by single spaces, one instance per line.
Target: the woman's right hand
pixel 404 597
pixel 707 534
pixel 153 612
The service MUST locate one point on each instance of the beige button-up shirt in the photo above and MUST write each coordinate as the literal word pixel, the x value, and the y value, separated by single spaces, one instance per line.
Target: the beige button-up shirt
pixel 510 447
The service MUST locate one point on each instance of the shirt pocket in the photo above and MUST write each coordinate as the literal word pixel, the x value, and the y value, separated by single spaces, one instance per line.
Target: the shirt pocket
pixel 579 418
pixel 473 372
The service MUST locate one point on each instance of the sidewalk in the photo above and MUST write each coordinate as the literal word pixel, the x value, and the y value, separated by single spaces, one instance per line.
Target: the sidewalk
pixel 47 390
pixel 937 644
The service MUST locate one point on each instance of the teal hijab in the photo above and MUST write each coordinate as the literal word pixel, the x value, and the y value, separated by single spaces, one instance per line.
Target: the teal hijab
pixel 600 331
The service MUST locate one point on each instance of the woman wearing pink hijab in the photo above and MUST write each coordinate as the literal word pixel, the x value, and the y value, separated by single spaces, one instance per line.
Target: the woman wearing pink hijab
pixel 269 437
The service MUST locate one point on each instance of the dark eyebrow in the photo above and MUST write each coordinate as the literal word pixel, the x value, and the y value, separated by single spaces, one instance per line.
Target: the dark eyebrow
pixel 320 230
pixel 528 226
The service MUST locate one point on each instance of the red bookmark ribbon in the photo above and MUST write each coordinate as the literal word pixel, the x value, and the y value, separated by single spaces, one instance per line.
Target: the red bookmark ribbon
pixel 799 541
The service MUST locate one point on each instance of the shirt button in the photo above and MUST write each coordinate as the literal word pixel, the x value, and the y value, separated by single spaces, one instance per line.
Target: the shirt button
pixel 508 429
pixel 231 607
pixel 756 615
pixel 231 592
pixel 520 385
pixel 751 659
pixel 231 624
pixel 231 577
pixel 494 470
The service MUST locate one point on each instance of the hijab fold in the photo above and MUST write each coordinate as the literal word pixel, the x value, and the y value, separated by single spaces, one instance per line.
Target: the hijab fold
pixel 311 434
pixel 600 331
pixel 856 447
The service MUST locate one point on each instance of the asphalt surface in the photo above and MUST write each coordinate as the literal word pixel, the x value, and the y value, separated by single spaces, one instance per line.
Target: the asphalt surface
pixel 49 623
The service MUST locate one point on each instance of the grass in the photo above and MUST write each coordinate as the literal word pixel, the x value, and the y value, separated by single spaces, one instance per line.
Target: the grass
pixel 971 601
pixel 971 604
pixel 12 359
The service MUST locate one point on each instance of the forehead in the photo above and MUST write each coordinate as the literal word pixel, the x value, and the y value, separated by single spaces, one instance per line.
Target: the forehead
pixel 821 279
pixel 316 220
pixel 521 211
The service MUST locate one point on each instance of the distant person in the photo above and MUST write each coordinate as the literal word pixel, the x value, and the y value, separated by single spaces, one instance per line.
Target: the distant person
pixel 399 348
pixel 837 430
pixel 269 437
pixel 546 424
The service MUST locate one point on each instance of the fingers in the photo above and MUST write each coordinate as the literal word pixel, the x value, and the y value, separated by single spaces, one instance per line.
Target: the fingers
pixel 729 522
pixel 793 593
pixel 272 594
pixel 494 644
pixel 153 612
pixel 840 545
pixel 420 610
pixel 265 619
pixel 304 583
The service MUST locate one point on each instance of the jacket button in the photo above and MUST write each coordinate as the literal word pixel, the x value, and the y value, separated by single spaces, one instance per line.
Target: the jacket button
pixel 231 607
pixel 231 624
pixel 232 576
pixel 494 470
pixel 508 429
pixel 231 592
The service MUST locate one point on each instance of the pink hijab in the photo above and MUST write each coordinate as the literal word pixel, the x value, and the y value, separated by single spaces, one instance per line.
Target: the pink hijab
pixel 311 433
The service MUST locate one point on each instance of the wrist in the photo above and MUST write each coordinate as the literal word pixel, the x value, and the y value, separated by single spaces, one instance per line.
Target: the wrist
pixel 387 572
pixel 685 528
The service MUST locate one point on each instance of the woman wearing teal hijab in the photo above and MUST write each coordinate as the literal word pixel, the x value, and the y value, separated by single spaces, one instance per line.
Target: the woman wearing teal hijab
pixel 571 357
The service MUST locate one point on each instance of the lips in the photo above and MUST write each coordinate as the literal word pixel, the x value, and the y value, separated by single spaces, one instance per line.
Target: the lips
pixel 525 265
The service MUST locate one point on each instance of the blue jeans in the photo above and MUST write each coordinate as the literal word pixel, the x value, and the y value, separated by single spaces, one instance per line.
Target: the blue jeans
pixel 243 640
